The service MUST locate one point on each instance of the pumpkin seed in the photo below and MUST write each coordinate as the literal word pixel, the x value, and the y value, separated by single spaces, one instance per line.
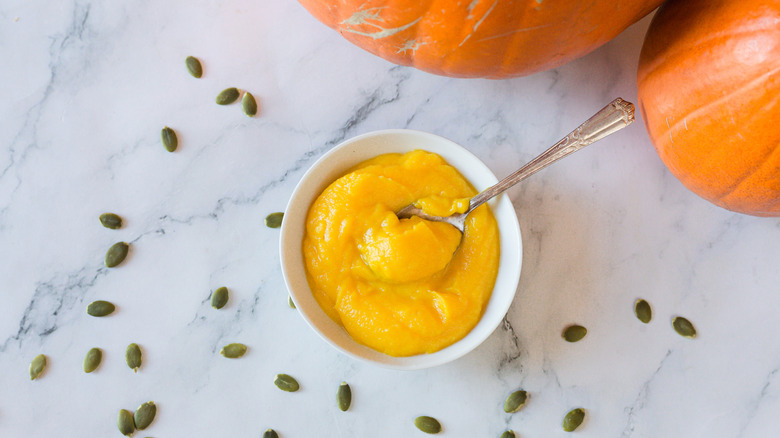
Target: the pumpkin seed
pixel 111 220
pixel 274 220
pixel 219 298
pixel 286 383
pixel 125 422
pixel 290 302
pixel 233 351
pixel 100 308
pixel 37 366
pixel 92 360
pixel 169 139
pixel 684 327
pixel 144 415
pixel 515 401
pixel 574 333
pixel 643 311
pixel 227 96
pixel 508 434
pixel 270 433
pixel 344 396
pixel 428 424
pixel 573 419
pixel 193 66
pixel 249 104
pixel 116 254
pixel 133 357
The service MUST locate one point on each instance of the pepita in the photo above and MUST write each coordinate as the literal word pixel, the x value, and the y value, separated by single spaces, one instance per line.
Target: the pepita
pixel 574 333
pixel 169 139
pixel 683 327
pixel 227 96
pixel 249 104
pixel 286 383
pixel 290 302
pixel 508 434
pixel 573 419
pixel 274 220
pixel 219 297
pixel 344 396
pixel 144 415
pixel 193 66
pixel 111 220
pixel 92 360
pixel 37 366
pixel 270 433
pixel 515 401
pixel 133 357
pixel 233 351
pixel 427 424
pixel 643 311
pixel 116 254
pixel 125 422
pixel 100 308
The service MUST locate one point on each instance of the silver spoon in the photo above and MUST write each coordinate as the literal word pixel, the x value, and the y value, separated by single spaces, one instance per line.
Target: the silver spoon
pixel 612 118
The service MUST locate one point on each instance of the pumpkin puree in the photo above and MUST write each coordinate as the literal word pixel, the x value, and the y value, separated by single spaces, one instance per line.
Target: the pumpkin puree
pixel 401 287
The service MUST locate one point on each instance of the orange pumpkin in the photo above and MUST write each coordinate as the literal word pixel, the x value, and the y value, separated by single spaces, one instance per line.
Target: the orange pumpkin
pixel 479 38
pixel 709 93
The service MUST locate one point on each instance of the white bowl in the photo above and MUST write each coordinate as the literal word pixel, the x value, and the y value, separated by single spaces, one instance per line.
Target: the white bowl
pixel 336 163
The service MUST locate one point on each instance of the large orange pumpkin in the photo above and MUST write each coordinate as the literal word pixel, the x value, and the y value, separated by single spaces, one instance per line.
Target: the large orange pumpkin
pixel 709 92
pixel 479 38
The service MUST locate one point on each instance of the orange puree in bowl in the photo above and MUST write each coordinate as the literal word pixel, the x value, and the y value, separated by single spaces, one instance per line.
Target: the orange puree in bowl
pixel 402 287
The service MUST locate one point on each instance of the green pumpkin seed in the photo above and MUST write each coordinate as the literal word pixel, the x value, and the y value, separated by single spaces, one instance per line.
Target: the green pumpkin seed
pixel 116 254
pixel 233 351
pixel 249 104
pixel 169 139
pixel 290 302
pixel 125 422
pixel 37 366
pixel 508 434
pixel 643 311
pixel 573 419
pixel 219 298
pixel 286 383
pixel 344 396
pixel 144 415
pixel 100 308
pixel 270 433
pixel 227 96
pixel 574 333
pixel 683 327
pixel 133 357
pixel 92 360
pixel 427 424
pixel 274 220
pixel 111 220
pixel 515 401
pixel 193 66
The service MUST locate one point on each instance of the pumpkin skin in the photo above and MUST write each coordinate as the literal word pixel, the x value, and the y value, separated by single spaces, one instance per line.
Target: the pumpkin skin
pixel 709 92
pixel 479 38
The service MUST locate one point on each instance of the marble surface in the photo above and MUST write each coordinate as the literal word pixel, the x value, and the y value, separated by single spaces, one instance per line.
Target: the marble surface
pixel 87 86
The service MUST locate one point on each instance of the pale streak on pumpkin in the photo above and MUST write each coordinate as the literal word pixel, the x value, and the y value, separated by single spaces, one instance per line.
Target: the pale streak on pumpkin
pixel 474 29
pixel 361 17
pixel 412 45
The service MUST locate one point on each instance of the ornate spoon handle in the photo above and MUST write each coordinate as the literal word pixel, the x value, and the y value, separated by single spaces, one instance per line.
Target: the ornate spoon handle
pixel 612 118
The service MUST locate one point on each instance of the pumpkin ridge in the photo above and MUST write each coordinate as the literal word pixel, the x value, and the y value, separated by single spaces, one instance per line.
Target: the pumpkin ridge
pixel 672 53
pixel 748 86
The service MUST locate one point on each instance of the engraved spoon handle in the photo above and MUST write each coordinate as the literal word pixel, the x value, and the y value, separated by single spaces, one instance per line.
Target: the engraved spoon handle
pixel 612 118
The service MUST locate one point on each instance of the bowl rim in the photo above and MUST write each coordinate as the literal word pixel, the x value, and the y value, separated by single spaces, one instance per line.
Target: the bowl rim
pixel 334 164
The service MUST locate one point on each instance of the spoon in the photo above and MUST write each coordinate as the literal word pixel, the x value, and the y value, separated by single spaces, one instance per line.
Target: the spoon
pixel 612 118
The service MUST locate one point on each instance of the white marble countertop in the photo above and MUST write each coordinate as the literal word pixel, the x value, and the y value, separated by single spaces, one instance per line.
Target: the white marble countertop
pixel 87 86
